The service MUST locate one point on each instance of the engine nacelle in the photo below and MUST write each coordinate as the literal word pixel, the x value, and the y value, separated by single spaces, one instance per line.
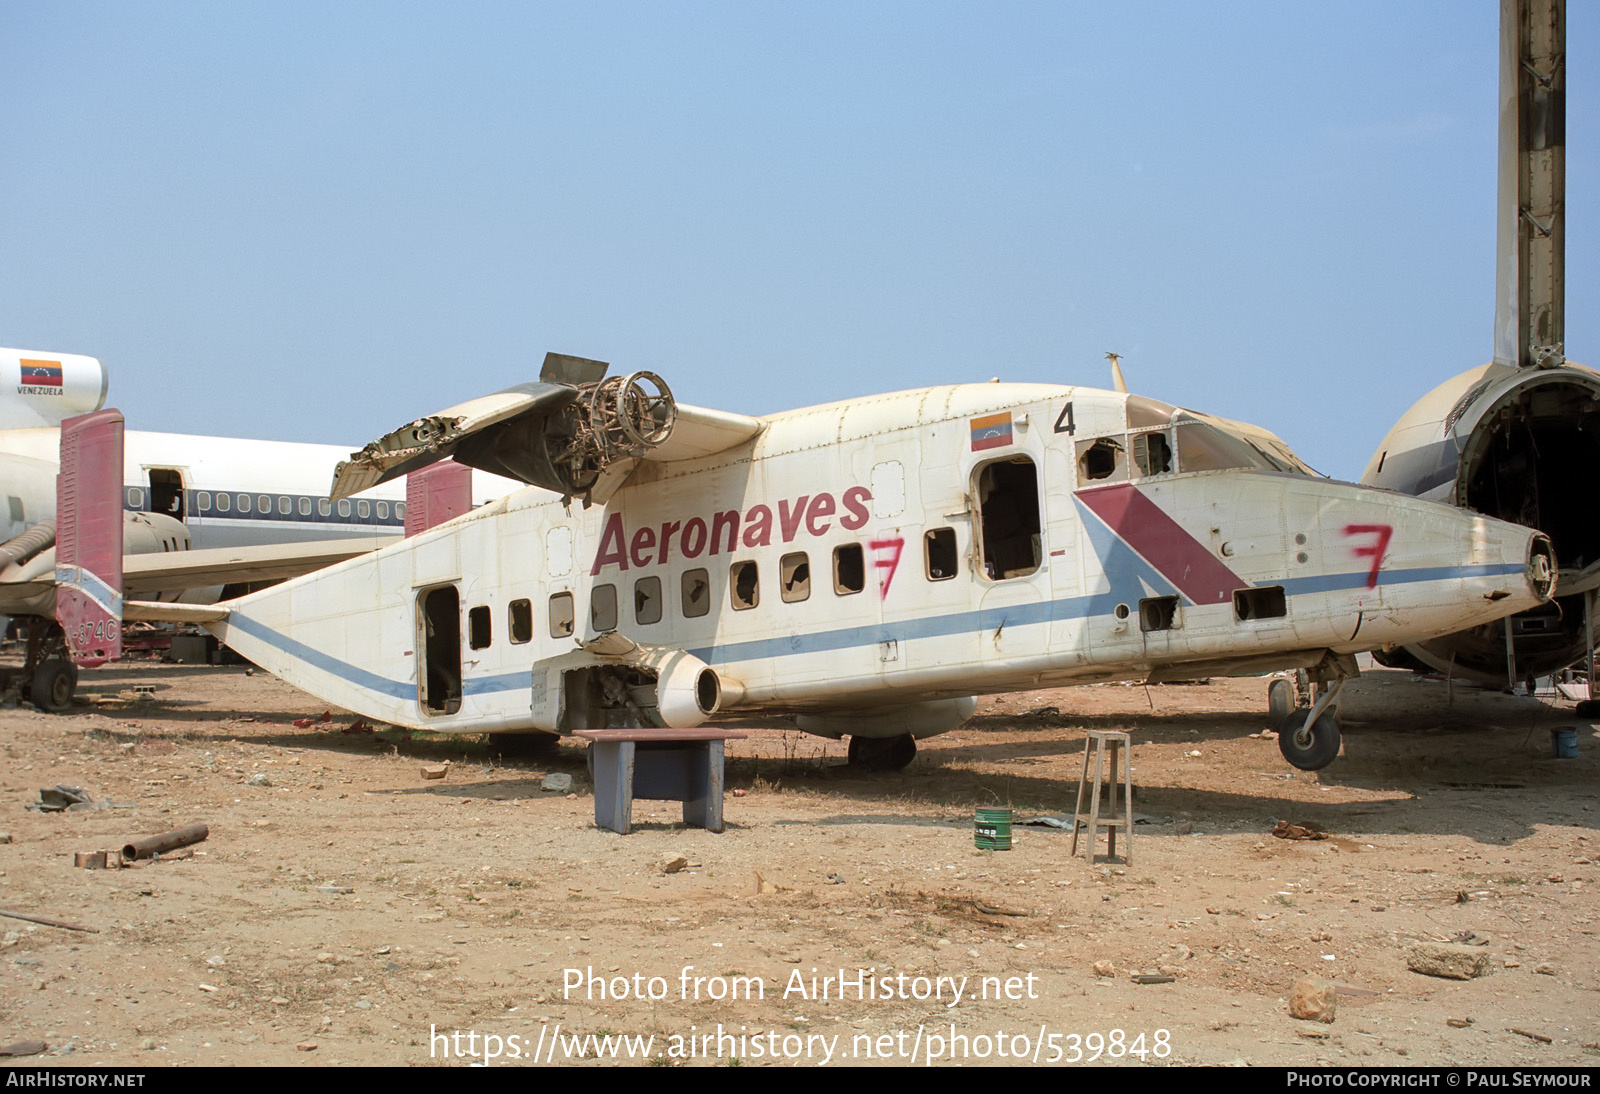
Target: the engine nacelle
pixel 1509 443
pixel 44 389
pixel 615 683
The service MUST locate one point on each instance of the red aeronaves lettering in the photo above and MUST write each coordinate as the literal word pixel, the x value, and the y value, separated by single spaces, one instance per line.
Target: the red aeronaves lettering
pixel 1374 551
pixel 727 530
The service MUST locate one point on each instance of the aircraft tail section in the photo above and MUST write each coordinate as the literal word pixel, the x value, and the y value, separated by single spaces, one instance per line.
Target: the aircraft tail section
pixel 89 536
pixel 437 493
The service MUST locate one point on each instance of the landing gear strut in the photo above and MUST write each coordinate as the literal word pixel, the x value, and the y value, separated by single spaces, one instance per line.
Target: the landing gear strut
pixel 882 753
pixel 49 676
pixel 1309 737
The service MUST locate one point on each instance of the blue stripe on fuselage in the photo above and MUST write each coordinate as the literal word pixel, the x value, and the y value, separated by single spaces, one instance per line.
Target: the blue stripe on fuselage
pixel 934 626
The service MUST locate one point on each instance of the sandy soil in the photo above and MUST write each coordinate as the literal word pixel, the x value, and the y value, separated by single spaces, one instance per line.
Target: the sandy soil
pixel 352 913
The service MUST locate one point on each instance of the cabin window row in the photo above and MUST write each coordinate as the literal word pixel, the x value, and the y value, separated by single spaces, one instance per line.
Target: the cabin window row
pixel 207 503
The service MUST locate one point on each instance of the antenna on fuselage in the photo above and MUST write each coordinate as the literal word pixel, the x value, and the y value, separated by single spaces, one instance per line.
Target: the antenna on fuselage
pixel 1117 382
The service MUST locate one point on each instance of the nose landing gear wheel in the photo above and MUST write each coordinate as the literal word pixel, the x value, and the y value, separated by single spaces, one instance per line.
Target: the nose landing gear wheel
pixel 1310 748
pixel 882 753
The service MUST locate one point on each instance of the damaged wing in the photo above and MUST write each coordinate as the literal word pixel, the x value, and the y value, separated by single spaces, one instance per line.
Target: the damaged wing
pixel 574 432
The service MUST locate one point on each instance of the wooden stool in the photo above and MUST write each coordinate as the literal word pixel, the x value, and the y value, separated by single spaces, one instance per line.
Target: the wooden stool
pixel 1118 741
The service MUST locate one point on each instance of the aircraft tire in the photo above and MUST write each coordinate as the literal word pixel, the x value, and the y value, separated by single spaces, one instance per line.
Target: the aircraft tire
pixel 52 686
pixel 882 753
pixel 1309 748
pixel 1280 702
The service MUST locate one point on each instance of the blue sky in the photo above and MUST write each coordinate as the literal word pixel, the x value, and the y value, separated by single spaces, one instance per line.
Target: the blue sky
pixel 317 221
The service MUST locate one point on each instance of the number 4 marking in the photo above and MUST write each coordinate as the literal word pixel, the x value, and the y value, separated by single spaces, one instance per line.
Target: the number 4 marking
pixel 1064 423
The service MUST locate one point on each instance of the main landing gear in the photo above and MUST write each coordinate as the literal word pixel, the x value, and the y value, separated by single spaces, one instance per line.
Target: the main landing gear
pixel 48 676
pixel 882 753
pixel 1308 737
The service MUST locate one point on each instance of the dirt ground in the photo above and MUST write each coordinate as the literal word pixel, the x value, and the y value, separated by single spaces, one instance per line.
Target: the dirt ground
pixel 350 912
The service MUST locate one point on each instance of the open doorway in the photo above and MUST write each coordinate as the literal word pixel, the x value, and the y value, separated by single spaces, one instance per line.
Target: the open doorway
pixel 1008 500
pixel 166 493
pixel 441 647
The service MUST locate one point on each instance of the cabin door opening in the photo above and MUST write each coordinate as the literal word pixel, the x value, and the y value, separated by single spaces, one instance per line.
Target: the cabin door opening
pixel 166 492
pixel 1008 498
pixel 440 609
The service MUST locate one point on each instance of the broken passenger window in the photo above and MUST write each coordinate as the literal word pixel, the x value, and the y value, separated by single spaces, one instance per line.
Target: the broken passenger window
pixel 478 629
pixel 603 608
pixel 939 547
pixel 743 585
pixel 849 569
pixel 521 621
pixel 647 600
pixel 1008 500
pixel 562 615
pixel 794 577
pixel 696 592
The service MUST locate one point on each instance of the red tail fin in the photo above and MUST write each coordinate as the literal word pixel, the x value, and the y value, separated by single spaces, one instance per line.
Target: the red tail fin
pixel 89 536
pixel 437 493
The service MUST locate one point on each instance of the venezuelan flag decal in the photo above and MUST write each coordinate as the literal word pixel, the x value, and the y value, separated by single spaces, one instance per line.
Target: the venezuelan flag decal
pixel 993 431
pixel 41 373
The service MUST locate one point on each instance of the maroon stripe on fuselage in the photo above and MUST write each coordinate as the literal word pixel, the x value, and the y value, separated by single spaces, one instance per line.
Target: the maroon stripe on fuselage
pixel 1178 556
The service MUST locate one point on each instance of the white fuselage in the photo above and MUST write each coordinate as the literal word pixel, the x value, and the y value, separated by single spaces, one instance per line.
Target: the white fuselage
pixel 895 550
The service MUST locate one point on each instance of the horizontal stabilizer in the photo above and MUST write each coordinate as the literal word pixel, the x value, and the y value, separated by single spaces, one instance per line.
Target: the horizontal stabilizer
pixel 156 611
pixel 235 565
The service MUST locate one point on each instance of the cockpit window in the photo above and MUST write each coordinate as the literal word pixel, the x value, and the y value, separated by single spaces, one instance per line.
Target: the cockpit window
pixel 1152 453
pixel 1203 447
pixel 1100 459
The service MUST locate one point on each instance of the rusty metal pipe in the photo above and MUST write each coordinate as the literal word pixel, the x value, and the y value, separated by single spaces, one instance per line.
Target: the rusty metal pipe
pixel 166 841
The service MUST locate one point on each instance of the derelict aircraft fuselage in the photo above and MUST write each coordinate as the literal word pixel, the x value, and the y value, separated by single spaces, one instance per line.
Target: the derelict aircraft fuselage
pixel 871 565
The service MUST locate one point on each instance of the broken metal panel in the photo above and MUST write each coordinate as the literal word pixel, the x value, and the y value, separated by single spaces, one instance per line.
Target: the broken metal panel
pixel 1530 291
pixel 562 368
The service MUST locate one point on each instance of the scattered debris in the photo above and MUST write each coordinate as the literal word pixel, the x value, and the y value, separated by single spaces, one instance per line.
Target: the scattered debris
pixel 48 922
pixel 54 799
pixel 671 864
pixel 166 841
pixel 23 1048
pixel 1458 1023
pixel 258 779
pixel 435 771
pixel 1541 1038
pixel 1148 978
pixel 90 860
pixel 1105 969
pixel 1448 960
pixel 341 890
pixel 360 725
pixel 1285 830
pixel 1314 999
pixel 557 782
